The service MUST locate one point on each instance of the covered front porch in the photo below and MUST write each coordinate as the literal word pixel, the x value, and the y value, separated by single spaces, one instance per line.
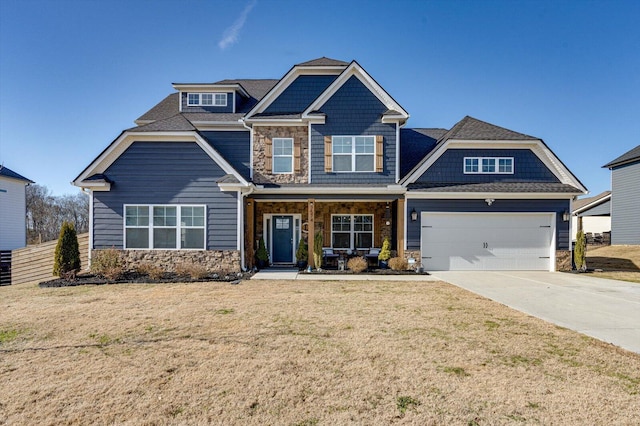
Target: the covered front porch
pixel 349 227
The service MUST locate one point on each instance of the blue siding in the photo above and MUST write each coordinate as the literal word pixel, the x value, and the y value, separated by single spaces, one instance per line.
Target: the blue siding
pixel 450 167
pixel 165 173
pixel 480 206
pixel 625 204
pixel 300 94
pixel 353 110
pixel 228 108
pixel 235 147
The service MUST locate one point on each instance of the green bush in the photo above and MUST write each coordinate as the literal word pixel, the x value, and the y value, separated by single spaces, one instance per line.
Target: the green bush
pixel 303 252
pixel 385 252
pixel 262 253
pixel 580 252
pixel 67 254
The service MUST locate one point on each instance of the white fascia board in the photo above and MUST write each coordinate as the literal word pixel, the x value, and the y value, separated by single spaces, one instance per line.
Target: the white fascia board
pixel 416 195
pixel 95 186
pixel 310 190
pixel 275 122
pixel 354 69
pixel 536 146
pixel 120 145
pixel 289 78
pixel 226 126
pixel 593 204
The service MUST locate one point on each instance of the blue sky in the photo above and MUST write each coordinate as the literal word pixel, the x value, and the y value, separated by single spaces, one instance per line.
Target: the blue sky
pixel 74 74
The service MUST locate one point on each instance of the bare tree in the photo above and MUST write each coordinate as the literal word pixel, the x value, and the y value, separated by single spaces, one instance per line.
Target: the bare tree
pixel 46 213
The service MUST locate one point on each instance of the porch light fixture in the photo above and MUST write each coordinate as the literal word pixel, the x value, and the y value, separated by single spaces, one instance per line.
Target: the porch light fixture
pixel 489 201
pixel 566 216
pixel 414 215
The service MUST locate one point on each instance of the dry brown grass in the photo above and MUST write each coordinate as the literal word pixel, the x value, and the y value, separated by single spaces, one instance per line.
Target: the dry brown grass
pixel 299 353
pixel 616 262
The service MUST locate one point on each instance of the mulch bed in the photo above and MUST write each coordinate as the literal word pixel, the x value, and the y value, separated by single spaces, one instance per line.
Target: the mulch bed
pixel 134 278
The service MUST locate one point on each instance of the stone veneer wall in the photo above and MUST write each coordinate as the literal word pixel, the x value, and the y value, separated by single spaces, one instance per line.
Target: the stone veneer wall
pixel 323 212
pixel 563 260
pixel 300 134
pixel 213 260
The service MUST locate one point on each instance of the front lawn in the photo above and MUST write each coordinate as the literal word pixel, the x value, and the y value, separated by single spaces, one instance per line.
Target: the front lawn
pixel 615 262
pixel 299 353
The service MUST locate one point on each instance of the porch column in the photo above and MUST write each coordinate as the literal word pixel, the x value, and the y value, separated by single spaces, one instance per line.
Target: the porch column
pixel 400 227
pixel 311 214
pixel 579 223
pixel 250 231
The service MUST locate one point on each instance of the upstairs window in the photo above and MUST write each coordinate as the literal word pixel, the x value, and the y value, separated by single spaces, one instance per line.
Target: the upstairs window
pixel 353 153
pixel 488 165
pixel 282 155
pixel 207 99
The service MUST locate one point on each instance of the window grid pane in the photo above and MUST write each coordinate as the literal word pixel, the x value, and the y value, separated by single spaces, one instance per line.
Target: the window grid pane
pixel 207 98
pixel 163 232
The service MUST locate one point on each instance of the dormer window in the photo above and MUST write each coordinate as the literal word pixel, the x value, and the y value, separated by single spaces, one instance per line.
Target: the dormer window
pixel 207 99
pixel 488 165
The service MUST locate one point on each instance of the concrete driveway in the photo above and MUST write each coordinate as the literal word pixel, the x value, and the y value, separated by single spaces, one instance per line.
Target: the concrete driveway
pixel 608 310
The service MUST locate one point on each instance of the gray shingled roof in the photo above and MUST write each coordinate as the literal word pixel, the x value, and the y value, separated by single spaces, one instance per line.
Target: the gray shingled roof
pixel 528 187
pixel 167 107
pixel 228 179
pixel 581 202
pixel 6 172
pixel 213 116
pixel 628 157
pixel 176 123
pixel 473 129
pixel 322 62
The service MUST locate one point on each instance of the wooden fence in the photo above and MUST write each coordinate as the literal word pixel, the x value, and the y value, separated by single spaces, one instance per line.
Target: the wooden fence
pixel 35 263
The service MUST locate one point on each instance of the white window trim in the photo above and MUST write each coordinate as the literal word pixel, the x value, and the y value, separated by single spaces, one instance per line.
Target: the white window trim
pixel 353 154
pixel 352 231
pixel 215 95
pixel 151 227
pixel 497 164
pixel 274 156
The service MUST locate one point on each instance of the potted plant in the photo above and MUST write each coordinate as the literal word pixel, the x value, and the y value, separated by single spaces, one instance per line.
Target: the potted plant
pixel 262 257
pixel 302 254
pixel 385 253
pixel 317 250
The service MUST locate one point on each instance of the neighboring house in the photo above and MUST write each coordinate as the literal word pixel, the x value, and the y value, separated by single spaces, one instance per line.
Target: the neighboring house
pixel 215 166
pixel 13 208
pixel 625 197
pixel 592 214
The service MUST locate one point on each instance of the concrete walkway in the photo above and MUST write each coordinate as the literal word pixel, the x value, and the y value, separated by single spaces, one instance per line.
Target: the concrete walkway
pixel 608 310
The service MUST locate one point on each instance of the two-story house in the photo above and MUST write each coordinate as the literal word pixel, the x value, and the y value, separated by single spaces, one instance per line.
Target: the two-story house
pixel 625 197
pixel 216 166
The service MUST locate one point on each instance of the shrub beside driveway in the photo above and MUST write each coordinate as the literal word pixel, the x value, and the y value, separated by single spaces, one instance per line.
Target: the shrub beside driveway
pixel 303 352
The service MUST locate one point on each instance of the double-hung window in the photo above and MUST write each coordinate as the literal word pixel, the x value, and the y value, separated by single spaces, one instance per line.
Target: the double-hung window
pixel 488 165
pixel 353 153
pixel 282 155
pixel 164 227
pixel 352 231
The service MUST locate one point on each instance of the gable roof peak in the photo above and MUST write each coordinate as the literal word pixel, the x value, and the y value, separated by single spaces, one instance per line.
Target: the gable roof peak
pixel 322 62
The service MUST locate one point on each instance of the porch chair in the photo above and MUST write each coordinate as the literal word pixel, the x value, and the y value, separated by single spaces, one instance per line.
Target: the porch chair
pixel 329 256
pixel 372 256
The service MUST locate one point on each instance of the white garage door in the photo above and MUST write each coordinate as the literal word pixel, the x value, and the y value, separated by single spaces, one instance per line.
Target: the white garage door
pixel 487 241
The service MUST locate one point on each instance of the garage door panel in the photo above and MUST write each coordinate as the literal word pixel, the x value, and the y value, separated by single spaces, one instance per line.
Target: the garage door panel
pixel 478 241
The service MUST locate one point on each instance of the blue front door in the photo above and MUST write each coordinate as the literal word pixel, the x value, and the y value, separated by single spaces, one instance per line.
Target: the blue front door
pixel 282 239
